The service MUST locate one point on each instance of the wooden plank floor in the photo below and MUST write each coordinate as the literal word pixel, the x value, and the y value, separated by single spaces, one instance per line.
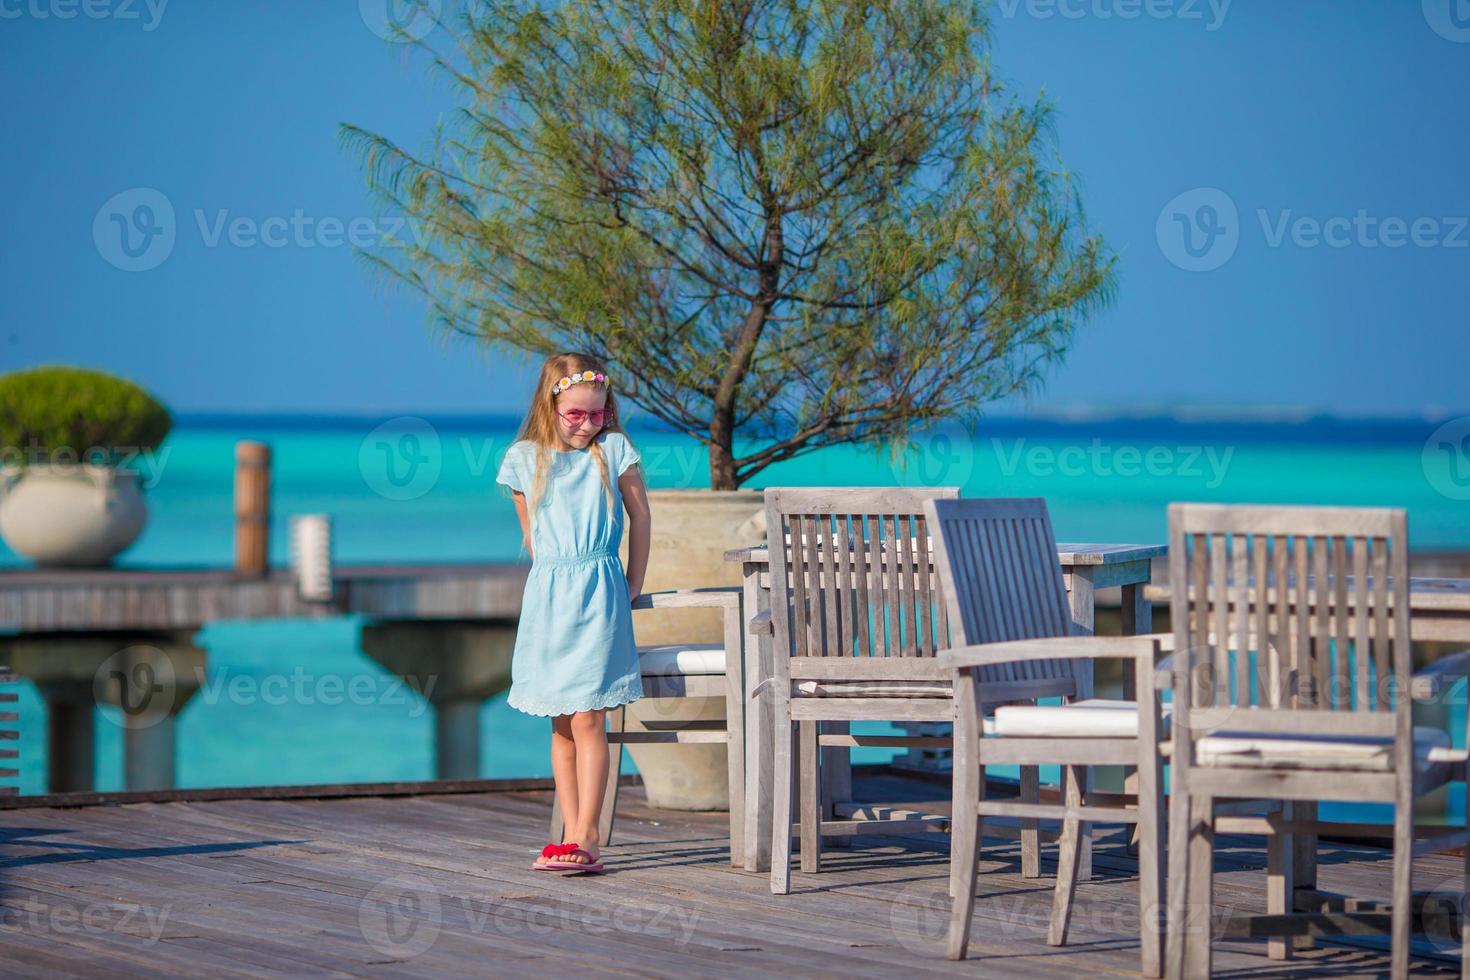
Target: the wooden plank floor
pixel 440 885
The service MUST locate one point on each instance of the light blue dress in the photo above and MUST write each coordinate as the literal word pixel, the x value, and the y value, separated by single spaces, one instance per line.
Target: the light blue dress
pixel 574 646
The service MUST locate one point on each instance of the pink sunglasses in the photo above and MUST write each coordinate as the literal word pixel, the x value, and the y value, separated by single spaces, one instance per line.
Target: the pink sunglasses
pixel 577 416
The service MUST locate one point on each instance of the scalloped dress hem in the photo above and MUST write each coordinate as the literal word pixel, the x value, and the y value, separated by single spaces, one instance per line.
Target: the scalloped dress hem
pixel 611 699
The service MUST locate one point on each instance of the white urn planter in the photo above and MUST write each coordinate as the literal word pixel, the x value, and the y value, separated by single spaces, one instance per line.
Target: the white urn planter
pixel 77 515
pixel 692 529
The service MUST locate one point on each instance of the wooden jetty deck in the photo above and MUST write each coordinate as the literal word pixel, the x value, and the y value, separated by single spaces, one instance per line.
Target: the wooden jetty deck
pixel 439 884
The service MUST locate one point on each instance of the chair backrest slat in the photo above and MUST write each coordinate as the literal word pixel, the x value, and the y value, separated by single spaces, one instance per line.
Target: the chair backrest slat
pixel 1321 650
pixel 924 596
pixel 1381 645
pixel 1266 664
pixel 1323 639
pixel 1001 580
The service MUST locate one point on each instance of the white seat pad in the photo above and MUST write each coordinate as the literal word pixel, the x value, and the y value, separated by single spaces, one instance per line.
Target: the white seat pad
pixel 681 659
pixel 1088 718
pixel 874 689
pixel 1358 754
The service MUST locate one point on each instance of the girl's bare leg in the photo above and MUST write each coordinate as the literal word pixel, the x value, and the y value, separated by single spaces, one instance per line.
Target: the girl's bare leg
pixel 589 732
pixel 564 771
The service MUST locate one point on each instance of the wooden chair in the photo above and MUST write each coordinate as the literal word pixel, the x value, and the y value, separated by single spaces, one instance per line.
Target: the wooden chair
pixel 856 625
pixel 1014 637
pixel 1319 595
pixel 686 670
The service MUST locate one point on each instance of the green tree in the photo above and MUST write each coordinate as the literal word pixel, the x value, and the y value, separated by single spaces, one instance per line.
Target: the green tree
pixel 798 222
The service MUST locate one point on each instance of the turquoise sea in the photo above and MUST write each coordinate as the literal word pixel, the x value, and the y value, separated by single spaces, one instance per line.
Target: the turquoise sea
pixel 422 489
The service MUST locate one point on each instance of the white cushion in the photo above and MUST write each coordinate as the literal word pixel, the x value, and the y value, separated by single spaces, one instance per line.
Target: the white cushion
pixel 1088 718
pixel 1250 750
pixel 681 659
pixel 874 689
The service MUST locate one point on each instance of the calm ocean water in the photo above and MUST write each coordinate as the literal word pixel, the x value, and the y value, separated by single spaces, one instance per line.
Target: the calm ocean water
pixel 423 490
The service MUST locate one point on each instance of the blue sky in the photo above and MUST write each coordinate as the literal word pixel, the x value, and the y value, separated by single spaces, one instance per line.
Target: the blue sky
pixel 1283 180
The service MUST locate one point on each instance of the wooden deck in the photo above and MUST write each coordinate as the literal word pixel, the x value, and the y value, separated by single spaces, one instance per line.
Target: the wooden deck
pixel 440 884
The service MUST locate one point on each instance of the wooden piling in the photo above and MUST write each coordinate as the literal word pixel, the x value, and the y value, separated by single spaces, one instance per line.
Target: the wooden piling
pixel 252 507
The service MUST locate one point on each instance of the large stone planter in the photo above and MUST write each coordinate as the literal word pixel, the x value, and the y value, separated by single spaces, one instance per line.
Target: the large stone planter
pixel 76 515
pixel 692 529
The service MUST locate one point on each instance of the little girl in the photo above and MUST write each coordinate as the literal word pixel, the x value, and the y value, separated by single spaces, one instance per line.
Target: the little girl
pixel 571 471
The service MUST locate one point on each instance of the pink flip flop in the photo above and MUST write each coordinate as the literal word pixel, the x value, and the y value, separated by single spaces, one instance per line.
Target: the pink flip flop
pixel 558 850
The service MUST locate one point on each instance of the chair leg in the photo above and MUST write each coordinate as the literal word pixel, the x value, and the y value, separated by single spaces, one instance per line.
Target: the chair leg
pixel 735 766
pixel 617 722
pixel 1030 838
pixel 1149 778
pixel 1200 904
pixel 836 765
pixel 1304 863
pixel 1403 881
pixel 1280 884
pixel 1069 847
pixel 1178 880
pixel 781 810
pixel 968 785
pixel 809 777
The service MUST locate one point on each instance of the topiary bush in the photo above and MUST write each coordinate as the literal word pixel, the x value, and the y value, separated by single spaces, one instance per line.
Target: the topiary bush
pixel 65 414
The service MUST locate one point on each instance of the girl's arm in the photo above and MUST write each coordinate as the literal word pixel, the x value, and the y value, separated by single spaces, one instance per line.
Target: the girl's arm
pixel 525 517
pixel 635 499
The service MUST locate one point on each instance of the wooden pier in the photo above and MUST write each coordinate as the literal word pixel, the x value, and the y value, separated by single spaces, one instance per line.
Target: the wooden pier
pixel 85 636
pixel 437 881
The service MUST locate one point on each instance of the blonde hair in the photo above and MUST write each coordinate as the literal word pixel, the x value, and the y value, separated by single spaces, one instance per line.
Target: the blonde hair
pixel 540 424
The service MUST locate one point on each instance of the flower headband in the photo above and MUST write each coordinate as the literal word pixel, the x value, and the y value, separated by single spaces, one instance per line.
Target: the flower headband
pixel 575 379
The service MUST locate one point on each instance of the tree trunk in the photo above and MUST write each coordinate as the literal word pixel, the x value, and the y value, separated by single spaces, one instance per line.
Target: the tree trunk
pixel 722 460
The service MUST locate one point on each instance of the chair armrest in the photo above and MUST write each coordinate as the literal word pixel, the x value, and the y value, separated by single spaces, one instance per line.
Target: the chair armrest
pixel 1427 683
pixel 719 598
pixel 1051 648
pixel 762 624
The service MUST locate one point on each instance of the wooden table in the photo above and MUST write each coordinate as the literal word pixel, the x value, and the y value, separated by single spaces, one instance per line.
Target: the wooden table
pixel 1085 569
